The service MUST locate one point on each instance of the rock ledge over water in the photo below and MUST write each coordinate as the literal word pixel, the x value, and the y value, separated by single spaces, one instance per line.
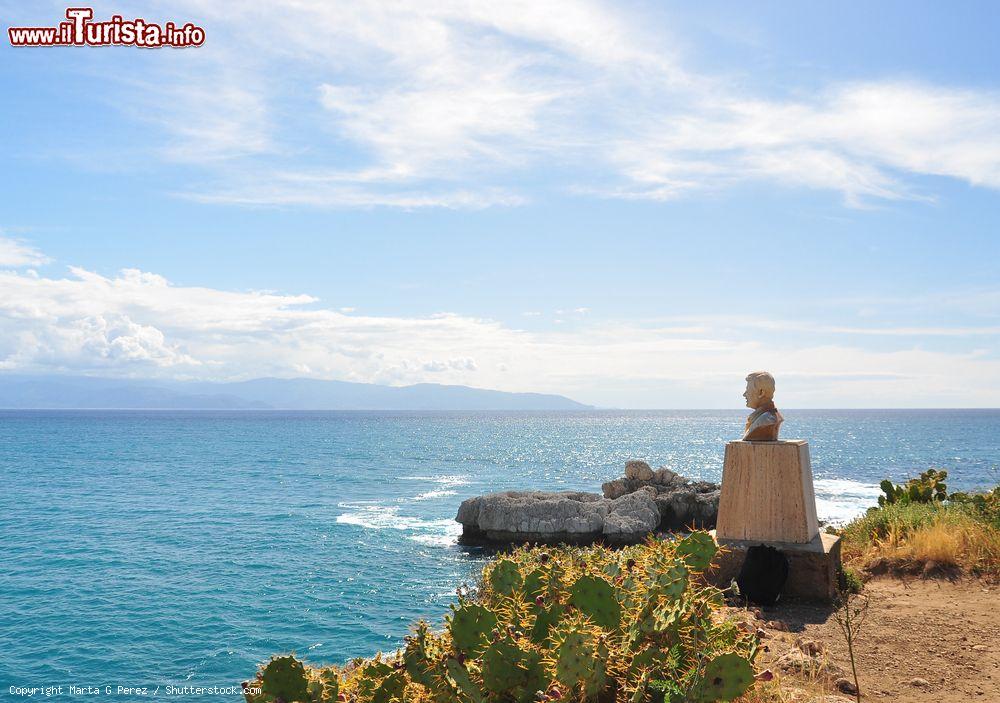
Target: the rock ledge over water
pixel 642 502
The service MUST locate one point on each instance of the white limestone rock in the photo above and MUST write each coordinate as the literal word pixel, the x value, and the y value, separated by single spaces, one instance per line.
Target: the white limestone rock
pixel 538 516
pixel 630 508
pixel 665 476
pixel 638 470
pixel 631 515
pixel 615 489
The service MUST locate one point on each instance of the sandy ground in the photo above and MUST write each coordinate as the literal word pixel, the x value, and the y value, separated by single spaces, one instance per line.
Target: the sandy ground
pixel 924 640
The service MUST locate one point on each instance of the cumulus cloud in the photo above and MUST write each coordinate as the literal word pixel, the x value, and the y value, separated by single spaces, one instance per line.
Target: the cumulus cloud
pixel 18 254
pixel 137 323
pixel 449 104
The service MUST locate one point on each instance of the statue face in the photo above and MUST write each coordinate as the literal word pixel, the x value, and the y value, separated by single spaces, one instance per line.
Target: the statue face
pixel 754 395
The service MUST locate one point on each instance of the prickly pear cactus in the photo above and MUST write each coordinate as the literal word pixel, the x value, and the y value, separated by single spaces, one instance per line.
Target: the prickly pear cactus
pixel 330 679
pixel 391 688
pixel 545 620
pixel 285 678
pixel 726 677
pixel 667 618
pixel 576 656
pixel 501 666
pixel 657 660
pixel 509 669
pixel 533 584
pixel 596 679
pixel 697 549
pixel 314 687
pixel 471 626
pixel 422 655
pixel 460 681
pixel 505 577
pixel 668 577
pixel 370 676
pixel 575 624
pixel 596 597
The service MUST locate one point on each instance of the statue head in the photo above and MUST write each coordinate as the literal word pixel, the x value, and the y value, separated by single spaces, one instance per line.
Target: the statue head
pixel 760 389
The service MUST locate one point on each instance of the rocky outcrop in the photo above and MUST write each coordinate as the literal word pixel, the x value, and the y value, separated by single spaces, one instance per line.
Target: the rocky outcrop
pixel 570 516
pixel 680 502
pixel 632 507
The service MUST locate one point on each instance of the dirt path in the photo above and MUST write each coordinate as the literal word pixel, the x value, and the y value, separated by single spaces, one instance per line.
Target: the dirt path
pixel 924 640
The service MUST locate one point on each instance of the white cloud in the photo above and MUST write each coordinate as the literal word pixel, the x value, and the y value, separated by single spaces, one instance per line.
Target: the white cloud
pixel 18 254
pixel 449 104
pixel 860 139
pixel 137 323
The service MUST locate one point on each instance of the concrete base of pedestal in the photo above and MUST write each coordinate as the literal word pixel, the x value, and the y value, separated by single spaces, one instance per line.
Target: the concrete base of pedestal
pixel 813 567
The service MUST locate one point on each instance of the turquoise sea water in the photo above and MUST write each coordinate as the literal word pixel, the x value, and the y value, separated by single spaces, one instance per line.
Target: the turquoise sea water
pixel 170 548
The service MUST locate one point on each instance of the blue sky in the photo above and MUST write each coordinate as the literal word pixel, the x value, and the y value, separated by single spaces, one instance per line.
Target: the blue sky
pixel 633 204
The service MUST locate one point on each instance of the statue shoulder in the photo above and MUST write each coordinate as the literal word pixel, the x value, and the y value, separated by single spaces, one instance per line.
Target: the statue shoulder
pixel 769 417
pixel 764 426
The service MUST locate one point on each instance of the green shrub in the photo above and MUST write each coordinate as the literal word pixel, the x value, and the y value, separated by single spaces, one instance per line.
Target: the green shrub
pixel 960 534
pixel 849 580
pixel 926 488
pixel 572 624
pixel 984 505
pixel 895 518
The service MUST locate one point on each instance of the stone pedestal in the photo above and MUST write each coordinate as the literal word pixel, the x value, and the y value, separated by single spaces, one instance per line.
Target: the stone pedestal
pixel 767 493
pixel 813 568
pixel 767 498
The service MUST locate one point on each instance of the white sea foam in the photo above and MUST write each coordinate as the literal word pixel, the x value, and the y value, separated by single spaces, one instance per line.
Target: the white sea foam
pixel 376 515
pixel 443 539
pixel 372 515
pixel 430 495
pixel 446 480
pixel 838 500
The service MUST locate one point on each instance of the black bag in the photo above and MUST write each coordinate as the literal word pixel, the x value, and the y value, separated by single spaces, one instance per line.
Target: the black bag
pixel 763 575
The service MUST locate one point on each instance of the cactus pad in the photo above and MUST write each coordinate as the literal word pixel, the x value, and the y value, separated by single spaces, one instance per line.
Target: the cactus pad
pixel 726 677
pixel 371 676
pixel 576 657
pixel 391 689
pixel 422 655
pixel 698 549
pixel 285 678
pixel 505 577
pixel 506 668
pixel 330 682
pixel 533 583
pixel 596 597
pixel 669 578
pixel 596 679
pixel 545 620
pixel 667 618
pixel 315 690
pixel 502 666
pixel 470 626
pixel 458 678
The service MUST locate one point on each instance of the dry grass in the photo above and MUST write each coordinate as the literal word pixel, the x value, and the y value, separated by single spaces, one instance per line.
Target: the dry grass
pixel 785 690
pixel 924 538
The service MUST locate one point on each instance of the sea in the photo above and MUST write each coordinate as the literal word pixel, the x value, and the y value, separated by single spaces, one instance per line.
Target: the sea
pixel 174 551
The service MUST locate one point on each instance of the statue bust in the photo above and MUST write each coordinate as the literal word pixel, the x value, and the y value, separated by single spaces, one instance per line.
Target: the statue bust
pixel 764 421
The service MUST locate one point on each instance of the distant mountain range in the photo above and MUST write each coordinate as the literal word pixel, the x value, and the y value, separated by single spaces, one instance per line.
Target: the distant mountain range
pixel 85 392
